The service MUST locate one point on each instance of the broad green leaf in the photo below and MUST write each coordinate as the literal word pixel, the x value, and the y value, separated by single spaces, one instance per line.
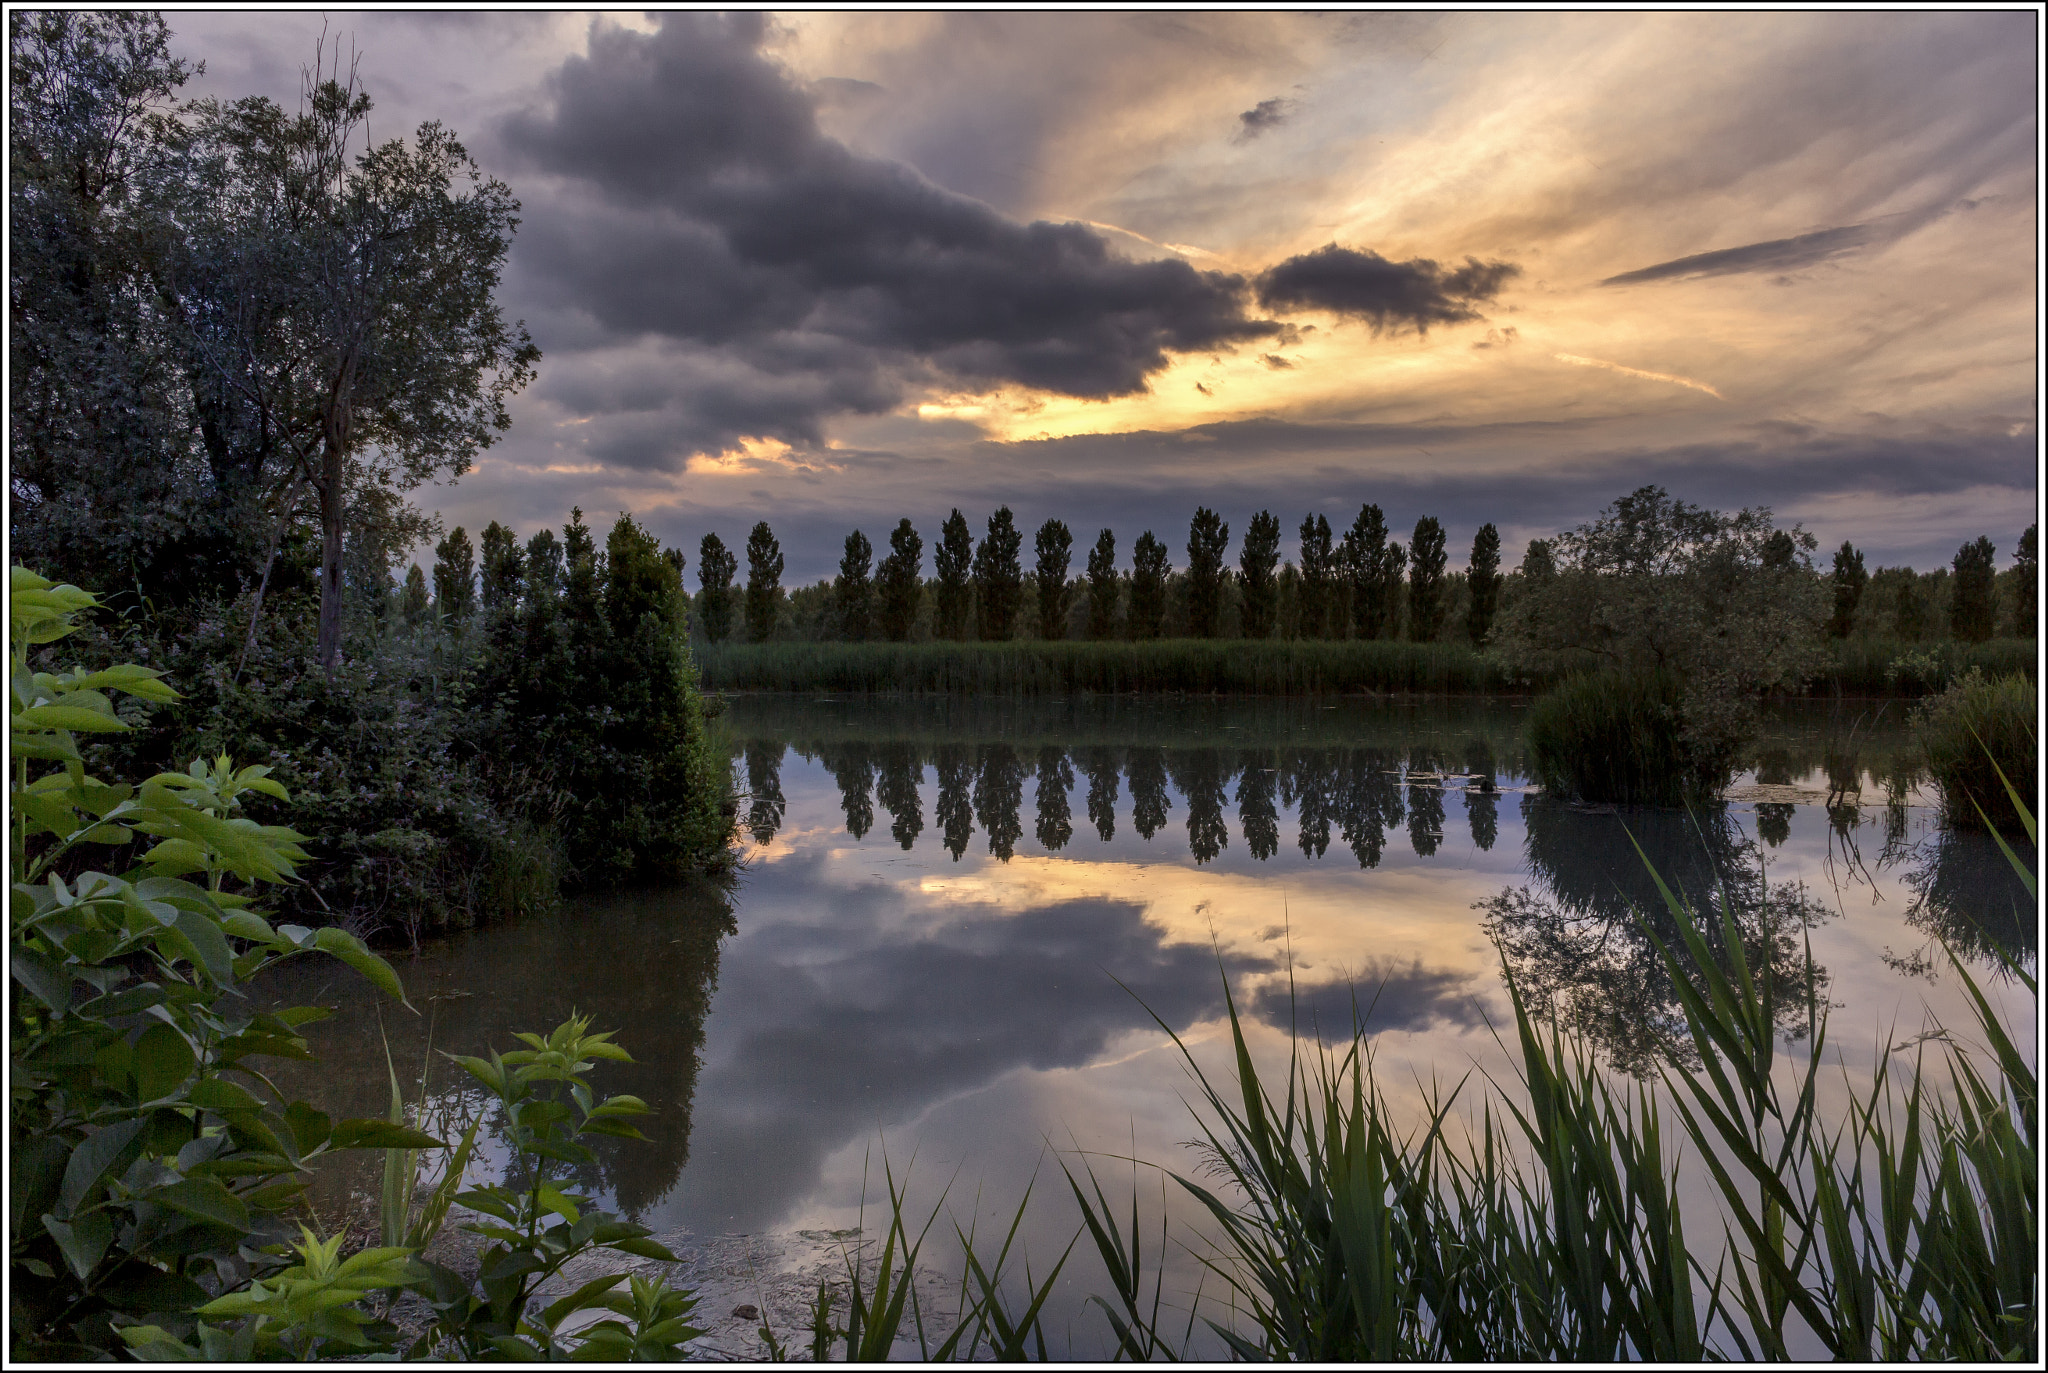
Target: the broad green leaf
pixel 83 1242
pixel 163 1059
pixel 206 1199
pixel 94 1158
pixel 79 719
pixel 351 951
pixel 380 1134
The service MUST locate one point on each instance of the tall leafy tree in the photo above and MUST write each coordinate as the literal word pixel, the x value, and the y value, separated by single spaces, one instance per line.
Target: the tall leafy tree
pixel 1849 581
pixel 1149 571
pixel 413 605
pixel 1426 559
pixel 1055 547
pixel 455 576
pixel 543 567
pixel 998 577
pixel 1258 590
pixel 1318 579
pixel 504 568
pixel 1539 561
pixel 1482 580
pixel 1970 609
pixel 106 483
pixel 1909 608
pixel 350 299
pixel 854 593
pixel 952 564
pixel 716 568
pixel 1208 538
pixel 1102 586
pixel 897 582
pixel 1365 548
pixel 764 582
pixel 2024 601
pixel 1392 587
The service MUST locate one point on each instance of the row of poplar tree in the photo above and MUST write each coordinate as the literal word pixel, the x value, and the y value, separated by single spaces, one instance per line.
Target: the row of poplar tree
pixel 1364 584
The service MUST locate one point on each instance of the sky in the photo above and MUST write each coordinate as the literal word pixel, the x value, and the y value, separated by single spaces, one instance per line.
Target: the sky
pixel 835 270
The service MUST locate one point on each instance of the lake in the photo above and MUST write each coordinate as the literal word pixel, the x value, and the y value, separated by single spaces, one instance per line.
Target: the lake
pixel 962 924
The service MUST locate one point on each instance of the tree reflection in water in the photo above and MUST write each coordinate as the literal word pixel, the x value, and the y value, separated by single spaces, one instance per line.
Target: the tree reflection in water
pixel 896 788
pixel 998 797
pixel 1966 893
pixel 1482 796
pixel 1055 818
pixel 764 789
pixel 1575 948
pixel 956 775
pixel 1425 813
pixel 1146 772
pixel 1201 777
pixel 1368 801
pixel 1099 763
pixel 1256 783
pixel 854 773
pixel 1305 785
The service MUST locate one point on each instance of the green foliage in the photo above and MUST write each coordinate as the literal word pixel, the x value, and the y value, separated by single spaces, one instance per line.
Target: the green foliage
pixel 1978 735
pixel 1313 606
pixel 537 1226
pixel 1969 615
pixel 764 582
pixel 147 1180
pixel 1848 582
pixel 455 577
pixel 1619 737
pixel 899 583
pixel 715 569
pixel 1483 581
pixel 1208 539
pixel 2022 622
pixel 998 578
pixel 1149 571
pixel 1259 592
pixel 413 604
pixel 853 594
pixel 1655 587
pixel 1055 546
pixel 952 563
pixel 504 568
pixel 1426 559
pixel 1103 584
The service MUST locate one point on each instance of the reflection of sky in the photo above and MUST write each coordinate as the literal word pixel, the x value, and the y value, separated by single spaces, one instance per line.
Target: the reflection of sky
pixel 969 1012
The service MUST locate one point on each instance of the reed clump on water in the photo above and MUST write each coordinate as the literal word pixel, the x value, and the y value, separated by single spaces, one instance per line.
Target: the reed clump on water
pixel 1978 736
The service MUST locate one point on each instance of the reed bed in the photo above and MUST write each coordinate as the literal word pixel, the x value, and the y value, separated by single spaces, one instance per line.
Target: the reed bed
pixel 1036 667
pixel 1244 667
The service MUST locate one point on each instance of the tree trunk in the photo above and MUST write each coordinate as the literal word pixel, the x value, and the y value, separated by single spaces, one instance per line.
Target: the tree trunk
pixel 332 486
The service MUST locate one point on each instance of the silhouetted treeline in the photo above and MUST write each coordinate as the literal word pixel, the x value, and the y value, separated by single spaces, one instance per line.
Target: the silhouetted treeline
pixel 1357 583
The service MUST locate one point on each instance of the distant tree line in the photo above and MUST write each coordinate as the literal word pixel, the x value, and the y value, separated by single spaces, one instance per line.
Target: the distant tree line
pixel 1362 584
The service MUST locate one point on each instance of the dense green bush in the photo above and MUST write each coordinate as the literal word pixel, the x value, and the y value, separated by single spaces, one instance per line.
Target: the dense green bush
pixel 1978 736
pixel 1621 737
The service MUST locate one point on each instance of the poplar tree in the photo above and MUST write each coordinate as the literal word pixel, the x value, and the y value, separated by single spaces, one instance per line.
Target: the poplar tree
pixel 1482 580
pixel 998 577
pixel 1389 582
pixel 715 569
pixel 853 595
pixel 1259 588
pixel 1102 587
pixel 1055 597
pixel 1969 613
pixel 897 582
pixel 1426 560
pixel 1318 568
pixel 455 576
pixel 504 568
pixel 1208 538
pixel 412 602
pixel 952 561
pixel 764 582
pixel 1849 581
pixel 1365 548
pixel 1149 571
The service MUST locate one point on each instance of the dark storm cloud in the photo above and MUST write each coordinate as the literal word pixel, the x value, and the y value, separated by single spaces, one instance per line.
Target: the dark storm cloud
pixel 1267 114
pixel 1391 295
pixel 704 207
pixel 1379 996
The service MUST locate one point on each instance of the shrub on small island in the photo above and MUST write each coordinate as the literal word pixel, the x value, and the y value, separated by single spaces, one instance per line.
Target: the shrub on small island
pixel 1979 728
pixel 1620 737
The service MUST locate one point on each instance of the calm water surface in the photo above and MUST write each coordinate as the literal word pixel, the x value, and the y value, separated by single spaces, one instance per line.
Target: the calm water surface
pixel 958 920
